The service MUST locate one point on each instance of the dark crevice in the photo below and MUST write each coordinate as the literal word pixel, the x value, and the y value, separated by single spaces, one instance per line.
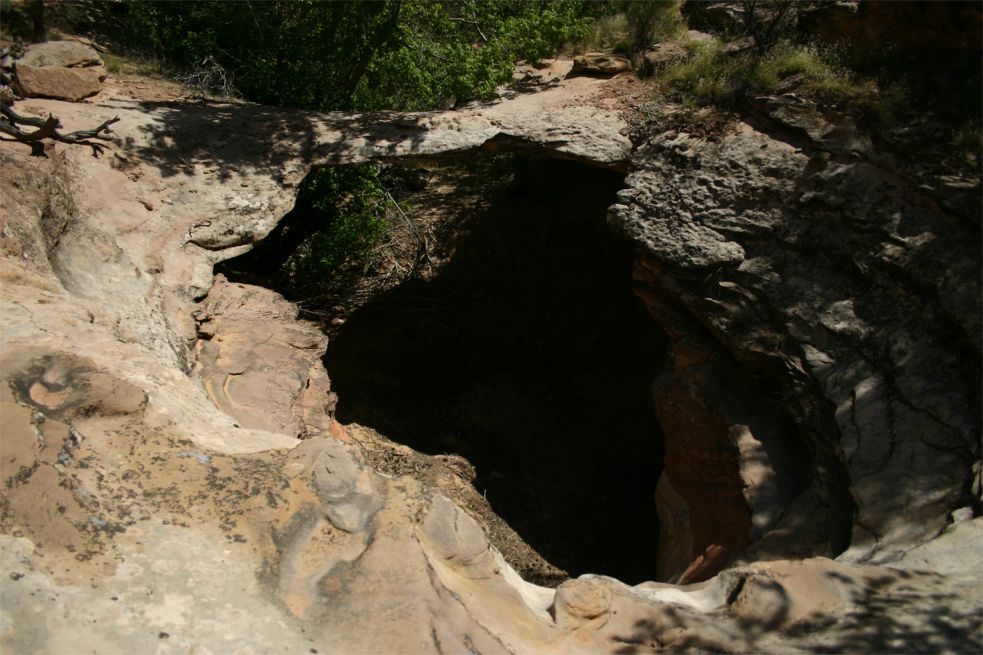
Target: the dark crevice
pixel 528 353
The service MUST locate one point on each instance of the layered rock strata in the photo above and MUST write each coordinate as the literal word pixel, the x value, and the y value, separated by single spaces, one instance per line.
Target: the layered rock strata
pixel 156 500
pixel 824 309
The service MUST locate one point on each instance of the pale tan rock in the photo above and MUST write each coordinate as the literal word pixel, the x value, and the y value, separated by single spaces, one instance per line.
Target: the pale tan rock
pixel 580 601
pixel 71 84
pixel 457 539
pixel 600 63
pixel 68 54
pixel 144 515
pixel 259 364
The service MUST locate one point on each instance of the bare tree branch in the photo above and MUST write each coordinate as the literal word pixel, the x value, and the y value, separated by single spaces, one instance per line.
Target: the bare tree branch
pixel 79 136
pixel 471 22
pixel 48 129
pixel 16 118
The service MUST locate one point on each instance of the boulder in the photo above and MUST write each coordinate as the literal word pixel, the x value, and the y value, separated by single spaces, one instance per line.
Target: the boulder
pixel 59 82
pixel 663 55
pixel 66 70
pixel 714 17
pixel 600 63
pixel 69 54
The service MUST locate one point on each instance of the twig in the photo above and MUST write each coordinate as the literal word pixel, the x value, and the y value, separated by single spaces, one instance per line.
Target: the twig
pixel 390 272
pixel 46 131
pixel 416 233
pixel 473 21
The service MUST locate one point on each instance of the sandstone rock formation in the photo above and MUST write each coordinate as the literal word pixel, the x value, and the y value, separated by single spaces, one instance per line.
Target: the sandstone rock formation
pixel 66 70
pixel 156 497
pixel 814 296
pixel 259 364
pixel 600 63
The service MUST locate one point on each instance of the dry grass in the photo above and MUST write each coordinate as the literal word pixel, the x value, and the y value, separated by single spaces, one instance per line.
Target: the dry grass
pixel 713 75
pixel 639 24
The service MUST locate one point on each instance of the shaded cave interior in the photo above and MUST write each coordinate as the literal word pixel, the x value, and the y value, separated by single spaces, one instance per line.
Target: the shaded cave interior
pixel 524 351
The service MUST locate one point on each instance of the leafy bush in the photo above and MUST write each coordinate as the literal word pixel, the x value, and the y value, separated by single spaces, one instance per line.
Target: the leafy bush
pixel 447 52
pixel 353 55
pixel 357 55
pixel 345 208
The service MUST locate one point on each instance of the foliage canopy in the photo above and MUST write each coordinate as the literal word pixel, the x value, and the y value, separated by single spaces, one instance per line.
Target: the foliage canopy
pixel 358 55
pixel 345 208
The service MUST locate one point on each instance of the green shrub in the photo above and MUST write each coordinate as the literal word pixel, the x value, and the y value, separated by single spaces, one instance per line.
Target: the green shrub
pixel 347 206
pixel 357 54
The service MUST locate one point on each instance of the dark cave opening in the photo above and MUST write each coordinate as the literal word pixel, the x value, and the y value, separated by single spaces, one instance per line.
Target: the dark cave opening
pixel 528 354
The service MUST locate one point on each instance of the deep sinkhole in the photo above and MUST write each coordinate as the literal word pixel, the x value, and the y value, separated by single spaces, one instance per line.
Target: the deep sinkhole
pixel 528 354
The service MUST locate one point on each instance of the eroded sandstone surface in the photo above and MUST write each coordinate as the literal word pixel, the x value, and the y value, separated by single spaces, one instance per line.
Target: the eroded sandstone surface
pixel 174 481
pixel 823 308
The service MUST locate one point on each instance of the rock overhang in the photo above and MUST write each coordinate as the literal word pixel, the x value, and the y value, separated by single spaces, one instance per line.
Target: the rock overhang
pixel 225 172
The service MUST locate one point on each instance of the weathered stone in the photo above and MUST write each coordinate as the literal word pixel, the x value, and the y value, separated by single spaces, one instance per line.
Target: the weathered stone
pixel 838 134
pixel 68 54
pixel 58 82
pixel 662 56
pixel 142 514
pixel 63 384
pixel 259 364
pixel 345 487
pixel 579 601
pixel 457 539
pixel 599 63
pixel 724 226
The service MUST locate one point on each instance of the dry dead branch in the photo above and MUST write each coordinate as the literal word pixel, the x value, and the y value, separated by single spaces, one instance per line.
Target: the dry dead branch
pixel 11 122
